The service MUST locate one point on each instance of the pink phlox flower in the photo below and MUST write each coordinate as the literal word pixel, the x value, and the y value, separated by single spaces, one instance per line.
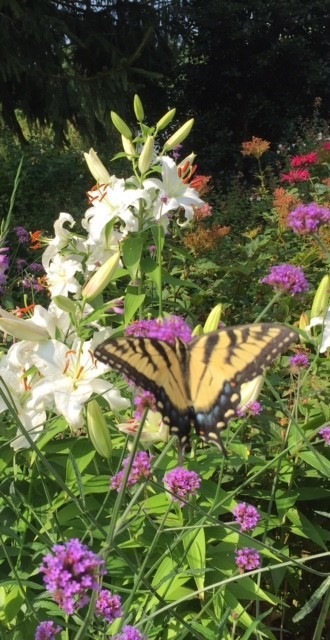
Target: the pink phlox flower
pixel 145 400
pixel 299 361
pixel 251 408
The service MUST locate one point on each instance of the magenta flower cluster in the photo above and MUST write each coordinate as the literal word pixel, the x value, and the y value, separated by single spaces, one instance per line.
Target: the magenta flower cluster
pixel 286 277
pixel 141 469
pixel 70 572
pixel 167 329
pixel 250 408
pixel 247 559
pixel 325 433
pixel 130 633
pixel 300 361
pixel 247 516
pixel 108 606
pixel 307 218
pixel 4 264
pixel 145 400
pixel 47 631
pixel 182 484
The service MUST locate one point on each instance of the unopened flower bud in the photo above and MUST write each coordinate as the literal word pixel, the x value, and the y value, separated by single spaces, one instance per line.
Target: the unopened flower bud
pixel 98 430
pixel 304 320
pixel 213 319
pixel 21 329
pixel 321 298
pixel 138 108
pixel 96 167
pixel 120 125
pixel 165 120
pixel 65 304
pixel 180 135
pixel 101 278
pixel 250 390
pixel 128 146
pixel 146 155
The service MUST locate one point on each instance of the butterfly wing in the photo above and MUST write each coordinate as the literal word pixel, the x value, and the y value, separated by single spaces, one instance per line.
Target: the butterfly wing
pixel 157 367
pixel 221 362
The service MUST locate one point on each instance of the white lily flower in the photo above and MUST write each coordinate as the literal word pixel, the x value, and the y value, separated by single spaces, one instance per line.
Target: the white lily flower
pixel 324 321
pixel 70 379
pixel 173 192
pixel 61 238
pixel 33 421
pixel 154 430
pixel 60 276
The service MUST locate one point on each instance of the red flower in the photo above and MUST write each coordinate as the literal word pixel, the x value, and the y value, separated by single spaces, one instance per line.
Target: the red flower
pixel 302 161
pixel 295 176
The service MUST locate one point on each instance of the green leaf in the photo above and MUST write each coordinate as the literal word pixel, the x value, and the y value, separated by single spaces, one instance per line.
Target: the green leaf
pixel 314 600
pixel 132 251
pixel 133 302
pixel 316 460
pixel 304 528
pixel 194 545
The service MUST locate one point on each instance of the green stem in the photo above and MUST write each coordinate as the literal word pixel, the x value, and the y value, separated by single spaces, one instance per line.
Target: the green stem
pixel 268 306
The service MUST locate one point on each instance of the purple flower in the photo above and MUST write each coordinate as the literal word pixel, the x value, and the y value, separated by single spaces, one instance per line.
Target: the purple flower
pixel 21 264
pixel 145 400
pixel 141 468
pixel 307 218
pixel 251 408
pixel 176 152
pixel 247 559
pixel 108 606
pixel 247 516
pixel 37 268
pixel 167 329
pixel 4 264
pixel 130 633
pixel 47 631
pixel 23 235
pixel 286 277
pixel 325 433
pixel 300 361
pixel 182 483
pixel 70 571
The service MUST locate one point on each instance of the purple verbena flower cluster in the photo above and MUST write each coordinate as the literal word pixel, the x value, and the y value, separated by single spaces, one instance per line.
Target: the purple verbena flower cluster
pixel 247 559
pixel 130 633
pixel 167 329
pixel 141 469
pixel 325 433
pixel 108 606
pixel 71 570
pixel 4 264
pixel 145 400
pixel 250 408
pixel 286 277
pixel 299 361
pixel 307 218
pixel 23 235
pixel 182 484
pixel 247 516
pixel 47 631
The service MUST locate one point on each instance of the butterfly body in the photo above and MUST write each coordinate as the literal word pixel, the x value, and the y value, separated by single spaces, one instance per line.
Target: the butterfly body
pixel 198 384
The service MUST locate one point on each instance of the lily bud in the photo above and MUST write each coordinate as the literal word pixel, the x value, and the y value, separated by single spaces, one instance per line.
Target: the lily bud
pixel 304 320
pixel 165 120
pixel 101 278
pixel 179 136
pixel 146 155
pixel 65 304
pixel 190 159
pixel 128 146
pixel 96 167
pixel 250 390
pixel 197 331
pixel 138 108
pixel 21 329
pixel 321 298
pixel 98 430
pixel 213 319
pixel 120 125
